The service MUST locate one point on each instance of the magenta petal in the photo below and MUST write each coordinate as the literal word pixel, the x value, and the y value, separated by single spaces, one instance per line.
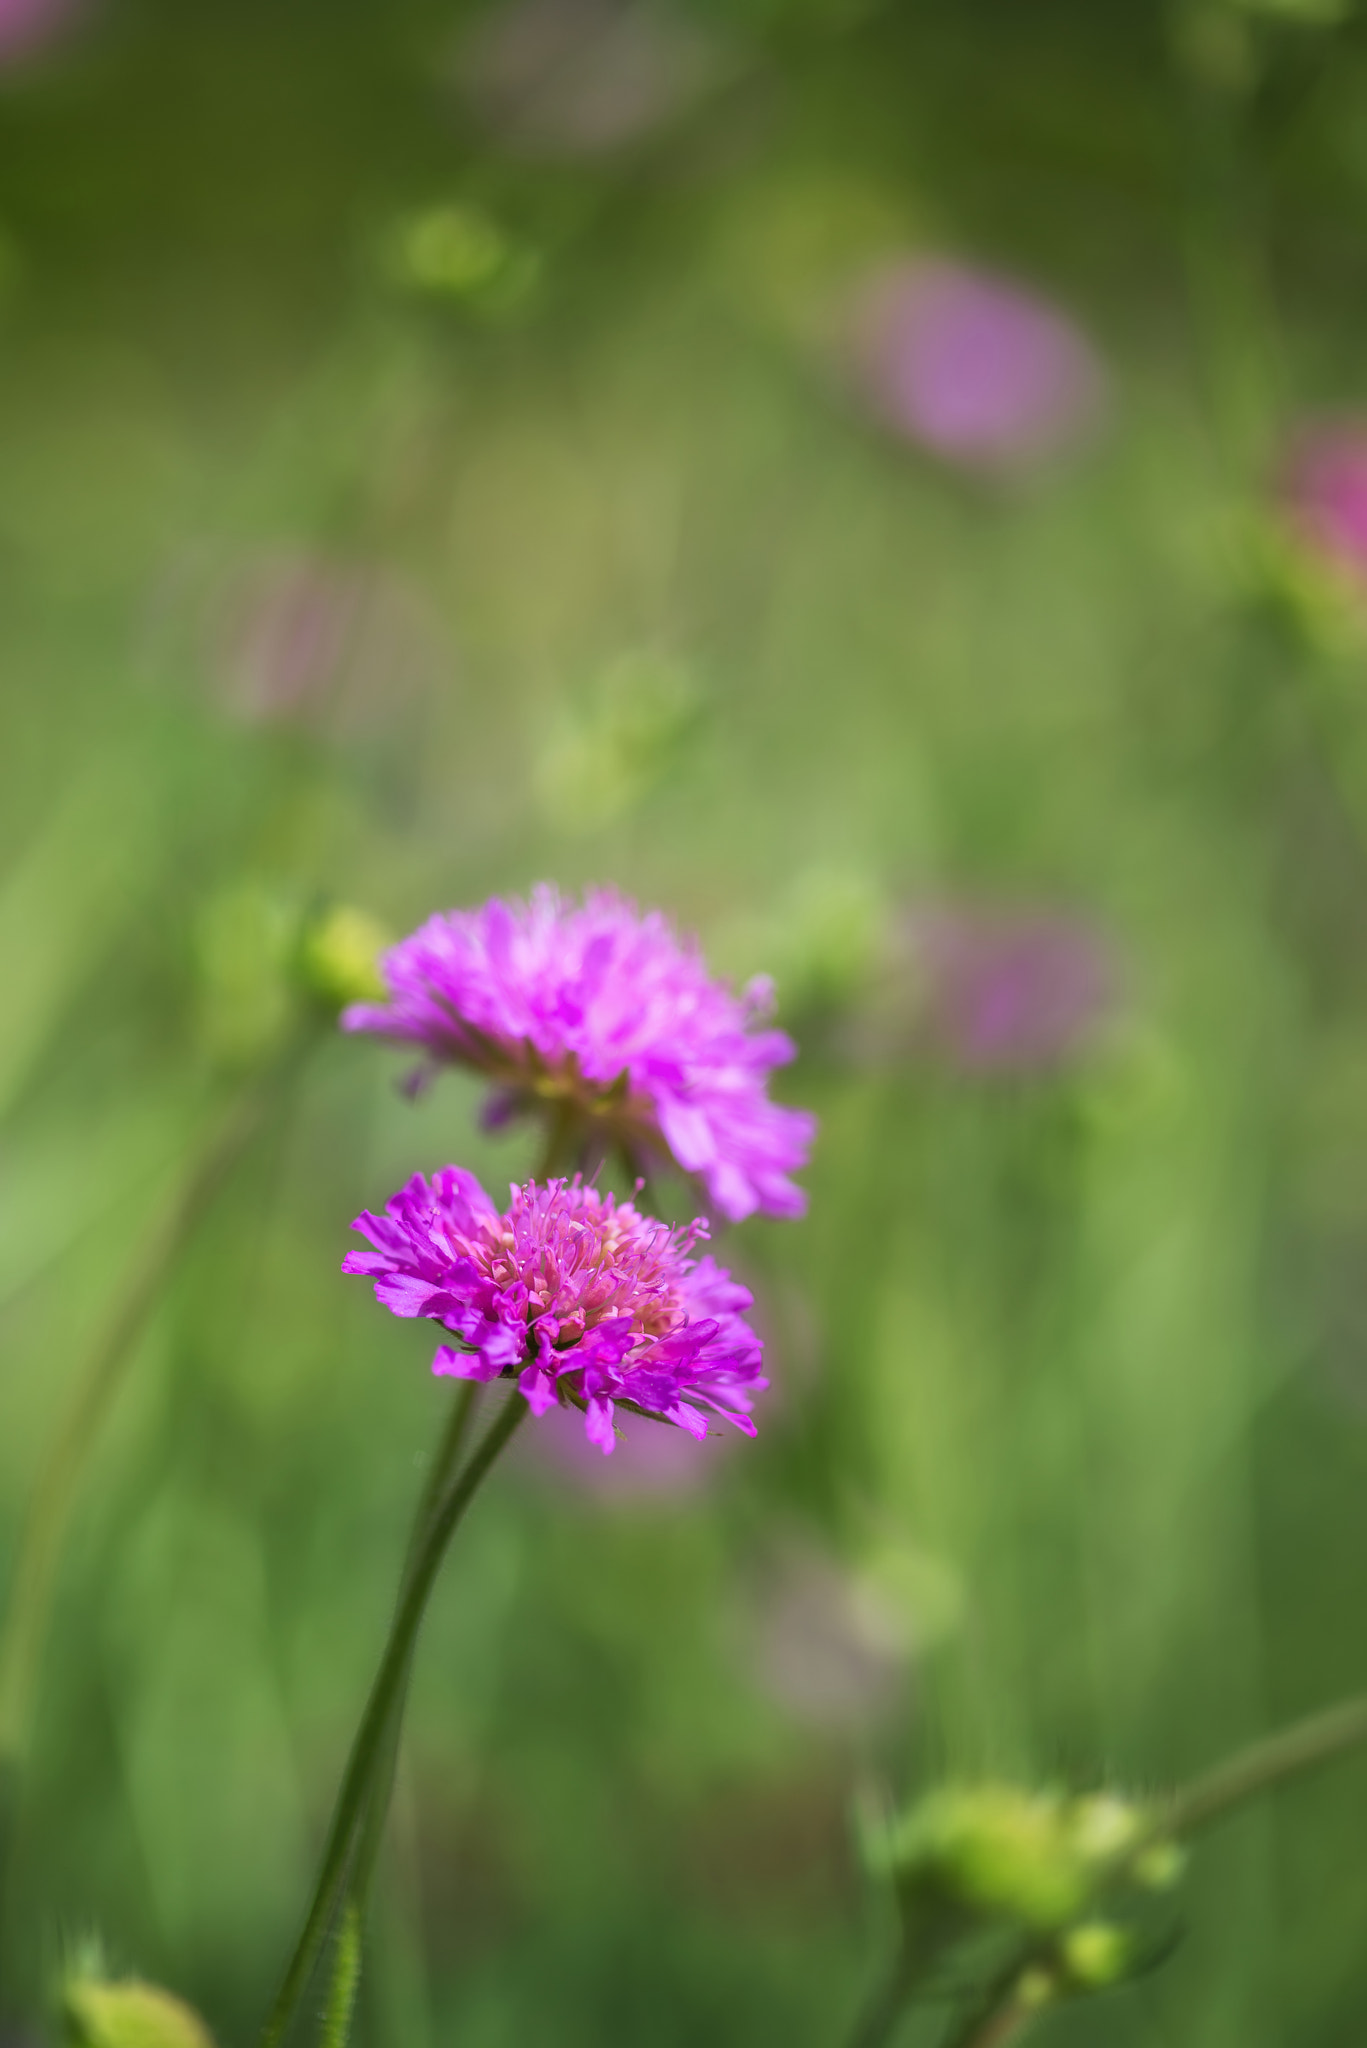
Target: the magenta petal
pixel 537 1388
pixel 461 1365
pixel 598 1426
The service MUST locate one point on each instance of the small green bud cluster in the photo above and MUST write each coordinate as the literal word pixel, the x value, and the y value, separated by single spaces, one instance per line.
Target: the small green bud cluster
pixel 265 960
pixel 1039 1860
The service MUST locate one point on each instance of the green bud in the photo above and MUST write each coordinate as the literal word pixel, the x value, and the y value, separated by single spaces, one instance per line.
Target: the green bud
pixel 1159 1867
pixel 458 252
pixel 1105 1825
pixel 130 2014
pixel 339 957
pixel 998 1850
pixel 1095 1954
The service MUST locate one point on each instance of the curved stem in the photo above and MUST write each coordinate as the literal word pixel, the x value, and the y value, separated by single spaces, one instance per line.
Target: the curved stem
pixel 1302 1747
pixel 42 1535
pixel 1004 2022
pixel 369 1750
pixel 44 1528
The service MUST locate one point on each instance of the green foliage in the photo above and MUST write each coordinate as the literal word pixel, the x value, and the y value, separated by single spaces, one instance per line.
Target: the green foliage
pixel 585 558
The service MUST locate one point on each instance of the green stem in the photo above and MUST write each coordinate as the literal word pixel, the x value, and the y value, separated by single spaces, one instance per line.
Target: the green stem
pixel 44 1529
pixel 370 1750
pixel 1302 1747
pixel 43 1533
pixel 1004 2021
pixel 346 1979
pixel 372 1827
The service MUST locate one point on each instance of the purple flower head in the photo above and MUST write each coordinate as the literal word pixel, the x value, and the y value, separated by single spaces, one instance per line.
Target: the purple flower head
pixel 26 25
pixel 578 1297
pixel 606 1017
pixel 1014 991
pixel 1325 492
pixel 972 366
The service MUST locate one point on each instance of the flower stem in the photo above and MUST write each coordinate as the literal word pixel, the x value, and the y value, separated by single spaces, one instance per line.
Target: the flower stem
pixel 1316 1740
pixel 346 1979
pixel 347 1959
pixel 43 1532
pixel 371 1751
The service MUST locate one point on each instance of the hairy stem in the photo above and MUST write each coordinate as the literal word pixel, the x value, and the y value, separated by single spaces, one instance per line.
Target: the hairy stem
pixel 371 1751
pixel 346 1979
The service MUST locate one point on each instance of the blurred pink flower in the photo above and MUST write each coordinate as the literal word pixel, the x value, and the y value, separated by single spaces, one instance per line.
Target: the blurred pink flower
pixel 972 366
pixel 1008 991
pixel 26 25
pixel 651 1462
pixel 825 1646
pixel 1324 489
pixel 308 641
pixel 580 77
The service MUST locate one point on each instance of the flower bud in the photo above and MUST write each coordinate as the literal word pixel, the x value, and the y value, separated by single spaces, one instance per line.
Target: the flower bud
pixel 1104 1825
pixel 1096 1953
pixel 130 2014
pixel 1004 1852
pixel 1159 1867
pixel 996 1849
pixel 339 957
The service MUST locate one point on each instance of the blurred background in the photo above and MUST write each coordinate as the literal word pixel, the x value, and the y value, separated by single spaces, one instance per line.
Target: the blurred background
pixel 884 483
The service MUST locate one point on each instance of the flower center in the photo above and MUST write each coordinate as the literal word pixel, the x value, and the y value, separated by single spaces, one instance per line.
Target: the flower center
pixel 584 1259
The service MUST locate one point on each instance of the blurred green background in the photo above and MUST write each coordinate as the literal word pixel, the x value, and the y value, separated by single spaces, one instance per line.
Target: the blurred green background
pixel 423 475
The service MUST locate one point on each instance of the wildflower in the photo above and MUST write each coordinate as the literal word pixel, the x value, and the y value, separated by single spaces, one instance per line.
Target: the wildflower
pixel 1011 991
pixel 577 1296
pixel 611 1021
pixel 1324 491
pixel 973 367
pixel 26 25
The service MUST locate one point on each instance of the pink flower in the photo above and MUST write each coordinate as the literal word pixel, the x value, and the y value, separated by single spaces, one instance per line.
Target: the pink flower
pixel 25 25
pixel 975 368
pixel 1325 493
pixel 610 1017
pixel 1009 991
pixel 576 1296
